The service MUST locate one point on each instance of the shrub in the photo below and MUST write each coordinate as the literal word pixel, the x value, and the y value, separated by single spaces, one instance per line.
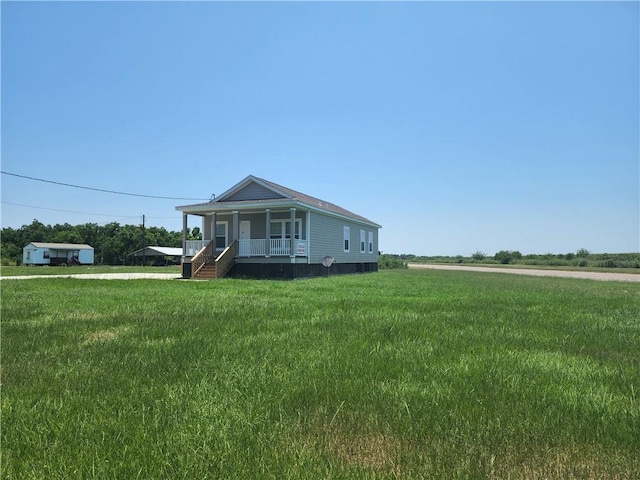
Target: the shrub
pixel 391 262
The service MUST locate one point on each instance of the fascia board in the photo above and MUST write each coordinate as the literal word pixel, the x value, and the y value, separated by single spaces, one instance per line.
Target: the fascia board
pixel 214 207
pixel 239 186
pixel 338 215
pixel 209 208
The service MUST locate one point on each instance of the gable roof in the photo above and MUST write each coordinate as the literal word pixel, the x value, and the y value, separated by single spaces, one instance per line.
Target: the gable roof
pixel 271 194
pixel 62 246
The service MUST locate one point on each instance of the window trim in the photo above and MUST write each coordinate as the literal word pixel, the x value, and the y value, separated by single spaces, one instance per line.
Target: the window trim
pixel 283 233
pixel 370 242
pixel 363 237
pixel 226 234
pixel 346 239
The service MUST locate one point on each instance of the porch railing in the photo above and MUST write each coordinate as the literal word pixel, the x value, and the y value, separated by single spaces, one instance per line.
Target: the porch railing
pixel 252 247
pixel 192 247
pixel 204 256
pixel 224 262
pixel 277 247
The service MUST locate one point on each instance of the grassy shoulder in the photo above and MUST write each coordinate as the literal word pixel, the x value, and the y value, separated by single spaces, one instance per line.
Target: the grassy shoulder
pixel 582 261
pixel 401 373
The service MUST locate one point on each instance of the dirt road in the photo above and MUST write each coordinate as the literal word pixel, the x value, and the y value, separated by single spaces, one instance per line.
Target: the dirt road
pixel 602 276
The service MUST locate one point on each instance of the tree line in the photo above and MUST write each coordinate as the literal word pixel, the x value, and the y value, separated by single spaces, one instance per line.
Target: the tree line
pixel 113 244
pixel 580 258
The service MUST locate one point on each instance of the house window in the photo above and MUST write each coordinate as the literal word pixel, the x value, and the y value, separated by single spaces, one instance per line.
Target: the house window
pixel 281 229
pixel 362 241
pixel 346 235
pixel 370 242
pixel 276 230
pixel 45 254
pixel 28 255
pixel 222 230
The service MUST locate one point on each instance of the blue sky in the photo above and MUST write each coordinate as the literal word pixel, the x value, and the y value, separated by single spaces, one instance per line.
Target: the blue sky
pixel 456 126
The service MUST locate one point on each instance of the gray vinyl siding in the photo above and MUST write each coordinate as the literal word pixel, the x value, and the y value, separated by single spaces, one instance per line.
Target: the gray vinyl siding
pixel 327 239
pixel 252 191
pixel 258 229
pixel 259 221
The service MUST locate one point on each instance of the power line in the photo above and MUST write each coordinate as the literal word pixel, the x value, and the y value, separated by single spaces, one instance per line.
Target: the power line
pixel 99 189
pixel 67 211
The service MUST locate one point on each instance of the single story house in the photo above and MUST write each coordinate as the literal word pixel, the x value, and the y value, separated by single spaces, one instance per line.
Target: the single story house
pixel 261 229
pixel 41 253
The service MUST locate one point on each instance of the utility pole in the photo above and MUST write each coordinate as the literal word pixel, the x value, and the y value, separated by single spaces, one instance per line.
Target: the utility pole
pixel 144 244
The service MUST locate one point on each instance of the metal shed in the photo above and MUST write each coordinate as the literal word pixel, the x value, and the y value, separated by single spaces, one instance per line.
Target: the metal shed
pixel 156 251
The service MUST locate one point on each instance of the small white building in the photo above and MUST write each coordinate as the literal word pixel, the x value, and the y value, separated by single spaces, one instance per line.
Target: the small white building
pixel 39 253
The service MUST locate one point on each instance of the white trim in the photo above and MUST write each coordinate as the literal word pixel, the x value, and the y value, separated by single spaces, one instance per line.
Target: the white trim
pixel 370 246
pixel 276 205
pixel 346 239
pixel 226 234
pixel 283 231
pixel 363 244
pixel 308 235
pixel 243 183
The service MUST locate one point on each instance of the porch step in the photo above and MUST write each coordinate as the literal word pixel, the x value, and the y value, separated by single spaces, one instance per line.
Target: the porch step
pixel 207 272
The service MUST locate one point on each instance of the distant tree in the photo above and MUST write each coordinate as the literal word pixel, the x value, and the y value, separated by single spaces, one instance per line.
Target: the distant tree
pixel 195 234
pixel 507 256
pixel 583 253
pixel 478 255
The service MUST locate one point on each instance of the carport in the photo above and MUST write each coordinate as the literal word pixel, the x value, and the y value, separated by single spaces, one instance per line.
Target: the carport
pixel 162 252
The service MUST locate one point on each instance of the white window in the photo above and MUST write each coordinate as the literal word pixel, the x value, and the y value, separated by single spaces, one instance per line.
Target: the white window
pixel 346 235
pixel 282 229
pixel 370 242
pixel 362 241
pixel 222 234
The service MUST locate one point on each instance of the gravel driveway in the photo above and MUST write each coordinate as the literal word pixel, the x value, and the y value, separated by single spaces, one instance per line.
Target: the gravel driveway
pixel 617 277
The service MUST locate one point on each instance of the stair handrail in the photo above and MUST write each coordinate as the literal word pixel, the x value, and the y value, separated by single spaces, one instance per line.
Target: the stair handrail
pixel 225 259
pixel 200 259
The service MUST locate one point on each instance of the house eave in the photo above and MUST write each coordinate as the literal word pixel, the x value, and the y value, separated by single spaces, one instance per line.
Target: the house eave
pixel 206 209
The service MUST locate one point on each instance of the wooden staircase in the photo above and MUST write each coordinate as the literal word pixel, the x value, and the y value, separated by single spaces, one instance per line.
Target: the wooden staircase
pixel 207 267
pixel 206 272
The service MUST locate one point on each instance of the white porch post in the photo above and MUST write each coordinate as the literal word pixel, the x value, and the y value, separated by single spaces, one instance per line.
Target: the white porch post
pixel 268 233
pixel 206 227
pixel 236 226
pixel 213 230
pixel 185 229
pixel 292 254
pixel 308 236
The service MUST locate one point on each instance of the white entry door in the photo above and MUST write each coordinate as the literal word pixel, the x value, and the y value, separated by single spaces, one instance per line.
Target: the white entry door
pixel 245 237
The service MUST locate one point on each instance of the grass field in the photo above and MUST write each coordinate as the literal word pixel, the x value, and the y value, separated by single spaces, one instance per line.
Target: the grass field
pixel 397 374
pixel 12 271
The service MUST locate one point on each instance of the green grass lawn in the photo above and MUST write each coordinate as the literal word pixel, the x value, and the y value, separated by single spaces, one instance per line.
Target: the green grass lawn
pixel 397 374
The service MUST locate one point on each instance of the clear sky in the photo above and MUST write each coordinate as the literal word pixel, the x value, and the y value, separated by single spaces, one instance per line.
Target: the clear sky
pixel 456 126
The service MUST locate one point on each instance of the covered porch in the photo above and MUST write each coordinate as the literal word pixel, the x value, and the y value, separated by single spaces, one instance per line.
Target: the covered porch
pixel 265 234
pixel 256 247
